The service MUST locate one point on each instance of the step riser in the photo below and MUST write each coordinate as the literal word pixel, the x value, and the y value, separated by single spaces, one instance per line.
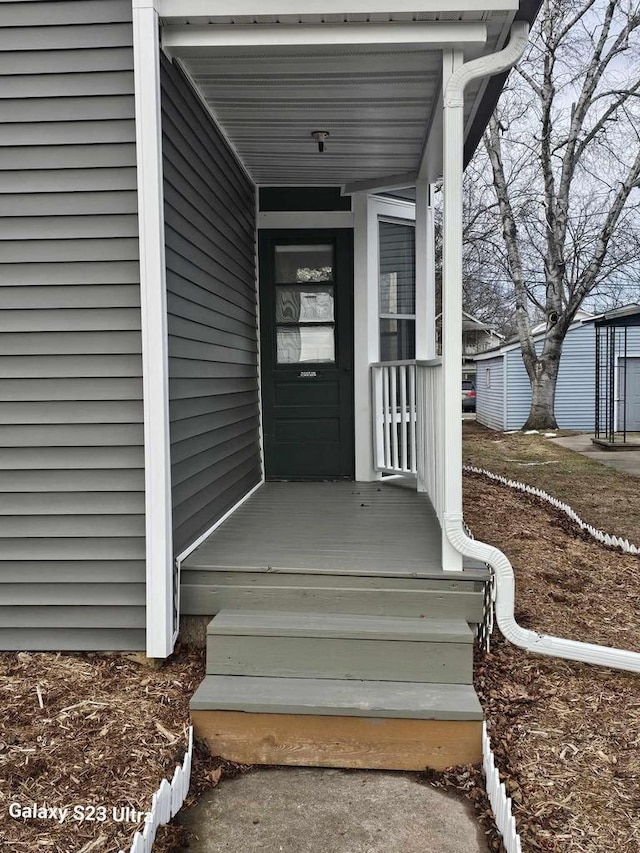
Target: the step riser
pixel 208 600
pixel 366 743
pixel 312 657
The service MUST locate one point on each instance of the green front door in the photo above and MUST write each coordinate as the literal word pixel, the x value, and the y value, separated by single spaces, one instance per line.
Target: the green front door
pixel 306 296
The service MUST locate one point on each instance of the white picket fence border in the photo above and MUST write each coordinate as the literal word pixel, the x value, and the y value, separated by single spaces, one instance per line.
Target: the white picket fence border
pixel 500 802
pixel 165 803
pixel 599 535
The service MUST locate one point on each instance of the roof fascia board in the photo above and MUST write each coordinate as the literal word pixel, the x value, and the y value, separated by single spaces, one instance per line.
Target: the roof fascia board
pixel 207 10
pixel 188 40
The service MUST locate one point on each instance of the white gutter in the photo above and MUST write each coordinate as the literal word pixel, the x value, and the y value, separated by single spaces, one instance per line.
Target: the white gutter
pixel 453 523
pixel 532 641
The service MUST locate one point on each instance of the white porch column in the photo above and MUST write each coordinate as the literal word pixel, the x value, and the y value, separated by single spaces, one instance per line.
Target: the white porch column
pixel 425 274
pixel 366 338
pixel 153 306
pixel 453 166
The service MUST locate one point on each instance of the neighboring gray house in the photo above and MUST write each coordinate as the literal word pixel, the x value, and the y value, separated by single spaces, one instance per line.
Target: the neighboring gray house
pixel 209 261
pixel 503 391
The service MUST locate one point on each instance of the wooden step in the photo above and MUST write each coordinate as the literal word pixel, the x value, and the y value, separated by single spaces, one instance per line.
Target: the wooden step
pixel 337 697
pixel 391 597
pixel 336 723
pixel 332 646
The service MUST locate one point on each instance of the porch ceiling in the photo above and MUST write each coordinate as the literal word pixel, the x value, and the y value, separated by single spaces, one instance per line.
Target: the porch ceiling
pixel 375 100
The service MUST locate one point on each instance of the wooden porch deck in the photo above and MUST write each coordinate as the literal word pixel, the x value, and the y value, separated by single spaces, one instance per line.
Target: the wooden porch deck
pixel 381 528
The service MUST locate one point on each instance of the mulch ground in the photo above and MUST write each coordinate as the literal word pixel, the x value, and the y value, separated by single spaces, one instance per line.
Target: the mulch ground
pixel 88 730
pixel 566 735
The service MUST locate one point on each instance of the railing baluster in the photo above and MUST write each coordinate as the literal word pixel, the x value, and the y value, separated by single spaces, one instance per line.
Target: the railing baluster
pixel 378 418
pixel 404 420
pixel 412 417
pixel 386 418
pixel 394 418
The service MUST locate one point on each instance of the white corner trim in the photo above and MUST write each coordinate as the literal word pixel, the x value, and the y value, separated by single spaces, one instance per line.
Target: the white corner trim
pixel 198 542
pixel 160 625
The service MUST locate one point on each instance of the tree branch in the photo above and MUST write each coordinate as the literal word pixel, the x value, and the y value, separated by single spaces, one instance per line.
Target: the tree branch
pixel 510 234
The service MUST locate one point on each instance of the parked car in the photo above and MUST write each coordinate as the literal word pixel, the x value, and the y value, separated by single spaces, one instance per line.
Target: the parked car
pixel 468 396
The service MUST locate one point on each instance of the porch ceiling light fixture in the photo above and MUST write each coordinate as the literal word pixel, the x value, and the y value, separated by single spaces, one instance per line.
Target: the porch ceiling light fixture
pixel 320 137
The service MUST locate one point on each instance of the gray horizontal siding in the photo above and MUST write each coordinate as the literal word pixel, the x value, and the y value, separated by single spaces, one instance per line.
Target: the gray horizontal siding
pixel 71 433
pixel 71 638
pixel 575 390
pixel 75 571
pixel 211 300
pixel 490 392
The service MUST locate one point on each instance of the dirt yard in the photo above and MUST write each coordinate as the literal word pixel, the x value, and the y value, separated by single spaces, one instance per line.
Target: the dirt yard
pixel 567 734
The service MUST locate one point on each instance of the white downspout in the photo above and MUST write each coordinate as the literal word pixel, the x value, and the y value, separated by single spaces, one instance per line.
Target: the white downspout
pixel 452 360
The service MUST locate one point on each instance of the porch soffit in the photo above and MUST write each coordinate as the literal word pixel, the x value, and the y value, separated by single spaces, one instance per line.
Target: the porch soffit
pixel 375 100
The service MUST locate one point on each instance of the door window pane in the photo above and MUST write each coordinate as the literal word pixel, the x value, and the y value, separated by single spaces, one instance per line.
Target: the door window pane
pixel 298 263
pixel 305 344
pixel 304 304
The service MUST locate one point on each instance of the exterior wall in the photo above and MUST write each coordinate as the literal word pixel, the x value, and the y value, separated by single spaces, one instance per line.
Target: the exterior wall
pixel 575 392
pixel 490 392
pixel 71 440
pixel 211 292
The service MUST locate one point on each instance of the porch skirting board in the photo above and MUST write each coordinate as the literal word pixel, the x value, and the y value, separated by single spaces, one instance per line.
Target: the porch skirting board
pixel 334 741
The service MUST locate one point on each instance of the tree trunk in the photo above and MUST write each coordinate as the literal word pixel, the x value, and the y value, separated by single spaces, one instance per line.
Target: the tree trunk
pixel 543 394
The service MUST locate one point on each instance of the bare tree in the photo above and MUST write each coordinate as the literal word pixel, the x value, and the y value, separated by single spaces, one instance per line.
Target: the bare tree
pixel 564 155
pixel 487 293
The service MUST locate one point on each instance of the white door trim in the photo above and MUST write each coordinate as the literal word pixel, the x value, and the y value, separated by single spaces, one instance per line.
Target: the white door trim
pixel 368 211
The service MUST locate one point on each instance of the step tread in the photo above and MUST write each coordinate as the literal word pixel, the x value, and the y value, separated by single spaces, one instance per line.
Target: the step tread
pixel 262 623
pixel 336 697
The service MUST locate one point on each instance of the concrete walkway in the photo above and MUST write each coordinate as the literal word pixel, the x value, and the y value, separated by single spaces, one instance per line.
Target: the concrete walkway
pixel 301 810
pixel 621 460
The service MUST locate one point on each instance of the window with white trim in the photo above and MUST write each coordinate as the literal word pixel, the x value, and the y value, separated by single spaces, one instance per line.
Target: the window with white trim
pixel 397 290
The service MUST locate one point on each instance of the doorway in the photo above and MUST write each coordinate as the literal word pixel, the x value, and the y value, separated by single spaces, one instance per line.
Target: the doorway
pixel 306 330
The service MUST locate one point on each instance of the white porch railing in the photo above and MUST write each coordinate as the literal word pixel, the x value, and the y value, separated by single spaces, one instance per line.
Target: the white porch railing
pixel 407 429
